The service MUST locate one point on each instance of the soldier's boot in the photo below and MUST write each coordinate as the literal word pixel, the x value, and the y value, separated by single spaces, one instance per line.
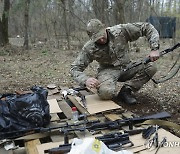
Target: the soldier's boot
pixel 126 96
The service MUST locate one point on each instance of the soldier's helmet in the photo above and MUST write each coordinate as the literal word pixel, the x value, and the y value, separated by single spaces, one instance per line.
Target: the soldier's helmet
pixel 95 29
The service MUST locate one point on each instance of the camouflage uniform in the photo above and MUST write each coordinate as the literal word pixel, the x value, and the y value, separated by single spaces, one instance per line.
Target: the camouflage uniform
pixel 113 58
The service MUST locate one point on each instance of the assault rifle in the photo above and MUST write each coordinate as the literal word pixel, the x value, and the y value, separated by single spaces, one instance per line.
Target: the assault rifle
pixel 92 126
pixel 147 60
pixel 118 123
pixel 23 132
pixel 173 71
pixel 113 141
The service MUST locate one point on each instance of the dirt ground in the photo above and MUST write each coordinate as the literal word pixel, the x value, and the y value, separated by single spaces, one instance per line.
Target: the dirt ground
pixel 42 65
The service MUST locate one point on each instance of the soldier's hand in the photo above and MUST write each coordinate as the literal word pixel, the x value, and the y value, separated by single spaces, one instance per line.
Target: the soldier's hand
pixel 92 83
pixel 154 55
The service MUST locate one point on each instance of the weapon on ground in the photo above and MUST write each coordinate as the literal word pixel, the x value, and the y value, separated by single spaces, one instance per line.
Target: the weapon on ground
pixel 118 123
pixel 128 121
pixel 20 133
pixel 65 148
pixel 113 141
pixel 92 126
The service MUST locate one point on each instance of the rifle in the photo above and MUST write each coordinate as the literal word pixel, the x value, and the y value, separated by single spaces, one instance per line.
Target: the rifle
pixel 20 133
pixel 147 60
pixel 118 123
pixel 128 121
pixel 94 126
pixel 173 71
pixel 113 141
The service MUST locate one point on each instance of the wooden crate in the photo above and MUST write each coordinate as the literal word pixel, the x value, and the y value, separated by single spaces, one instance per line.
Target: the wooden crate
pixel 61 112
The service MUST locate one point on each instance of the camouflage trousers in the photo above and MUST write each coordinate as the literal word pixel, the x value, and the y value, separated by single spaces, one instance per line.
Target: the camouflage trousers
pixel 134 78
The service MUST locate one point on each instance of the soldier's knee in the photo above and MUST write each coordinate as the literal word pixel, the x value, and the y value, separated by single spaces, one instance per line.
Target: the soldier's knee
pixel 151 69
pixel 106 93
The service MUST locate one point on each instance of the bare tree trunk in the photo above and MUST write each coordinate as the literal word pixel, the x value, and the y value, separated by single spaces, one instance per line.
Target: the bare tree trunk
pixel 100 8
pixel 1 34
pixel 151 4
pixel 44 16
pixel 174 7
pixel 56 34
pixel 105 10
pixel 169 5
pixel 162 7
pixel 4 24
pixel 119 11
pixel 141 3
pixel 26 24
pixel 131 10
pixel 65 24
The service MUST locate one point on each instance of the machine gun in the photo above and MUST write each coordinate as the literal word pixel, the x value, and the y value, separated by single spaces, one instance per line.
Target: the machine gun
pixel 118 123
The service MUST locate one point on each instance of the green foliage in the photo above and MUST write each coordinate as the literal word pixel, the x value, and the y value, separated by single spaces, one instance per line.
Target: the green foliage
pixel 6 14
pixel 44 52
pixel 171 11
pixel 4 52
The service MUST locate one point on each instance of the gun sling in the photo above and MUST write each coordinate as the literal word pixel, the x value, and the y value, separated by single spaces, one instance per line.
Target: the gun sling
pixel 162 123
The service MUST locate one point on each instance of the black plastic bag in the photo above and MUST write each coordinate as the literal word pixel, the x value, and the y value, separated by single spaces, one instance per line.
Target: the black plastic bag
pixel 24 111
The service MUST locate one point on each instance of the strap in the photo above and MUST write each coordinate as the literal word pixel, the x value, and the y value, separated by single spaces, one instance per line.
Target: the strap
pixel 162 123
pixel 172 72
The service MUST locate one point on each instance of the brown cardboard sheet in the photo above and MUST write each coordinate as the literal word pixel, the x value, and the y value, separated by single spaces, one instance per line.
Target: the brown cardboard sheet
pixel 96 105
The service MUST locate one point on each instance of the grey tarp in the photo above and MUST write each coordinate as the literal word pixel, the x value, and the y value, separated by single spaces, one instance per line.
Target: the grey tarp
pixel 166 26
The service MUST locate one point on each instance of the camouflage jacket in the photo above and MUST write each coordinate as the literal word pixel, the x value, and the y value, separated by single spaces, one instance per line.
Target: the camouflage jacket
pixel 115 53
